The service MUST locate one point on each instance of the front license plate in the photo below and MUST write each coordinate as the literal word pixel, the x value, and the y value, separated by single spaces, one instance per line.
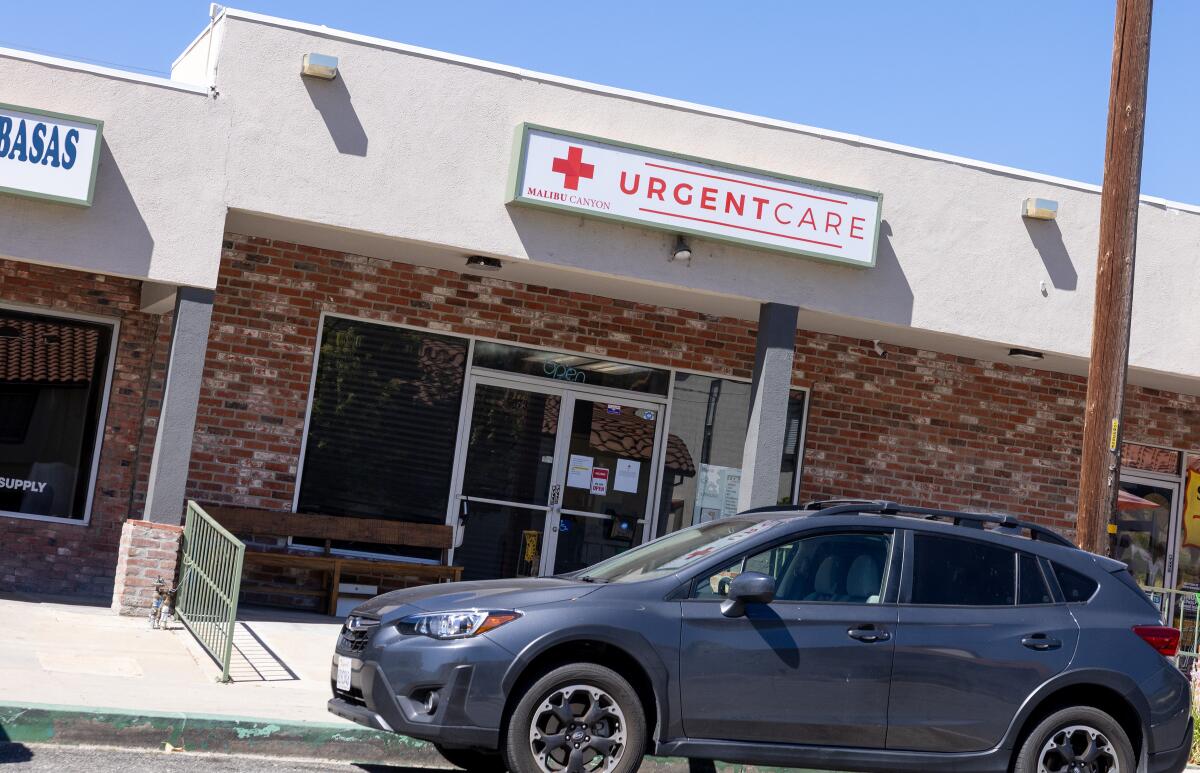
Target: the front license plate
pixel 345 667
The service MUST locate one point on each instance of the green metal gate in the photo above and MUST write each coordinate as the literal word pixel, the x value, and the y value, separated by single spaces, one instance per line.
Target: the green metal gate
pixel 211 578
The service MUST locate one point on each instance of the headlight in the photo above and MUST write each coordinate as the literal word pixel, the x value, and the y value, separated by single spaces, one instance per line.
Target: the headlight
pixel 460 624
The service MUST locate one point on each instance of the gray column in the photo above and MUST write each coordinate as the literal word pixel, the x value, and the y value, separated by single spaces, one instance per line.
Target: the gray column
pixel 768 406
pixel 181 395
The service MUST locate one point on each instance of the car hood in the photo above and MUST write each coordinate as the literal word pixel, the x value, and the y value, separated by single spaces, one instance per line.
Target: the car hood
pixel 485 594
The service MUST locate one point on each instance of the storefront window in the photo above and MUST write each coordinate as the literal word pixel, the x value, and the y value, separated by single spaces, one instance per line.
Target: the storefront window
pixel 707 436
pixel 383 425
pixel 53 375
pixel 793 449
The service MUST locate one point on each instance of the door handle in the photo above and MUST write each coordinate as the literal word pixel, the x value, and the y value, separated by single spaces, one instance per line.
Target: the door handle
pixel 869 634
pixel 1040 642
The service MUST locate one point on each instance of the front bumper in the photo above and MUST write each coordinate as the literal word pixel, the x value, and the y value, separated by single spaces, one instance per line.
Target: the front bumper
pixel 393 676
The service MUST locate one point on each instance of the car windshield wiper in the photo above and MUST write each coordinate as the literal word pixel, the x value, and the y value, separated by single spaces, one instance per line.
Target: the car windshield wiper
pixel 589 578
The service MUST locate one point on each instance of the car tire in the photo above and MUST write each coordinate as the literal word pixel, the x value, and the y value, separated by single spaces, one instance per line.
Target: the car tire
pixel 1065 735
pixel 581 708
pixel 473 759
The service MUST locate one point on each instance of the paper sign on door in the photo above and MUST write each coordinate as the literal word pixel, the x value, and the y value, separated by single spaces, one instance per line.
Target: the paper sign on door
pixel 600 481
pixel 579 471
pixel 627 476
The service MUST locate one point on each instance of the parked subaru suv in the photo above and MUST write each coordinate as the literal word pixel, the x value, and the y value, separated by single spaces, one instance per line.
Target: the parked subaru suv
pixel 845 635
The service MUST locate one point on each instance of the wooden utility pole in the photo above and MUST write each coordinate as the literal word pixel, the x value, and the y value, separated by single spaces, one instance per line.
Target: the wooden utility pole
pixel 1100 469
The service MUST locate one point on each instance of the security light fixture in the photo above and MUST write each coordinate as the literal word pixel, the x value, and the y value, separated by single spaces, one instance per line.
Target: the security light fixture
pixel 484 263
pixel 1024 354
pixel 319 66
pixel 682 251
pixel 1039 209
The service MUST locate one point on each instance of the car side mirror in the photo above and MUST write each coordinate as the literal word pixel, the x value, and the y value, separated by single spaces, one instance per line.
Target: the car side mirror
pixel 748 588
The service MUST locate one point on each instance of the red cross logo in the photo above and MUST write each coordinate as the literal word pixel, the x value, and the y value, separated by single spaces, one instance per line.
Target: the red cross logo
pixel 572 168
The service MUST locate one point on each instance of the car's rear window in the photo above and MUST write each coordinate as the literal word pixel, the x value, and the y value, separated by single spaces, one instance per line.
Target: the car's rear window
pixel 1075 586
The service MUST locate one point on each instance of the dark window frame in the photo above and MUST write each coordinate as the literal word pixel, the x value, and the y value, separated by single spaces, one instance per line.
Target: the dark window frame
pixel 98 402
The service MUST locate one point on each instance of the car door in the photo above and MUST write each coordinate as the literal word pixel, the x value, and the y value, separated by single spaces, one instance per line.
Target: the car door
pixel 811 667
pixel 978 632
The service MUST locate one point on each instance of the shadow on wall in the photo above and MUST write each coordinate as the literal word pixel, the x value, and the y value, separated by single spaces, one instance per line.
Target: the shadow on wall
pixel 332 100
pixel 881 293
pixel 110 235
pixel 1047 240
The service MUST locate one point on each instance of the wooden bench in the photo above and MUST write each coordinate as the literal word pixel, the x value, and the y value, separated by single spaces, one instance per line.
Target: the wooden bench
pixel 255 524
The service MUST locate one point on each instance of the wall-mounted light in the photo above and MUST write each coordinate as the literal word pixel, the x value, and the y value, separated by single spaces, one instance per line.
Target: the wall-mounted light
pixel 1039 209
pixel 1025 354
pixel 682 252
pixel 484 263
pixel 319 66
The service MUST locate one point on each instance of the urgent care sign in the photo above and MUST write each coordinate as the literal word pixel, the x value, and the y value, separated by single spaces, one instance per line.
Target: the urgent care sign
pixel 682 194
pixel 48 155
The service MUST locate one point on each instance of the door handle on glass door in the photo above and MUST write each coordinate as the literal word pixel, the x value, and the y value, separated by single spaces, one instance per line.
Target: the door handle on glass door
pixel 1040 642
pixel 869 634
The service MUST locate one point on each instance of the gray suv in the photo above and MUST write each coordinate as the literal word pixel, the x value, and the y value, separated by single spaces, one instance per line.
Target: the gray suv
pixel 846 635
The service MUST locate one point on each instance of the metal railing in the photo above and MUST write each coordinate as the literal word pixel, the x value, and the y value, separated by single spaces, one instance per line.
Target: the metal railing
pixel 209 584
pixel 1180 609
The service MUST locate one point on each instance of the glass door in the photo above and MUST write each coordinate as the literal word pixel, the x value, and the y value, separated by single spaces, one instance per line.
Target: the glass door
pixel 550 479
pixel 1145 529
pixel 506 478
pixel 606 473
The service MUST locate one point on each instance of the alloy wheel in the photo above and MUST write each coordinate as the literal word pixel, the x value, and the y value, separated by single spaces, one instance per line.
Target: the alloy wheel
pixel 578 729
pixel 1078 749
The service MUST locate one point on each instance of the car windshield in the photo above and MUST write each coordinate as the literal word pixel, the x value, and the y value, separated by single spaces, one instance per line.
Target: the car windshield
pixel 673 552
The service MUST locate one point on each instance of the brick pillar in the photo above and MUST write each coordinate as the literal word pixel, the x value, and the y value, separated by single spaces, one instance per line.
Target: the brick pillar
pixel 147 552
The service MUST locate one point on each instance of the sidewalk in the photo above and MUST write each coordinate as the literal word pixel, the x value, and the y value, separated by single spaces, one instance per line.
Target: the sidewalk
pixel 73 655
pixel 78 674
pixel 75 673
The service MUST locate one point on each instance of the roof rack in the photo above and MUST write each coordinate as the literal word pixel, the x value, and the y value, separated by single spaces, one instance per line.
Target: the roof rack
pixel 884 507
pixel 957 517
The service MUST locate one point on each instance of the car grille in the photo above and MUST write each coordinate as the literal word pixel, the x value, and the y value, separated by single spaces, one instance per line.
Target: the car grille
pixel 356 632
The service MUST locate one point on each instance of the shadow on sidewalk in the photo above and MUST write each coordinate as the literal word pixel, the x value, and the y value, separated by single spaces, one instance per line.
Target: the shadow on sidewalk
pixel 11 753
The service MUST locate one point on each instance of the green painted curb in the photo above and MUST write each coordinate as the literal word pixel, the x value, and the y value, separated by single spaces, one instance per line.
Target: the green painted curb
pixel 41 723
pixel 38 723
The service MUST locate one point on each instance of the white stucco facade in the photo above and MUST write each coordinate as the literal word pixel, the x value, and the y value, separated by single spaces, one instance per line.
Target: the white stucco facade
pixel 407 154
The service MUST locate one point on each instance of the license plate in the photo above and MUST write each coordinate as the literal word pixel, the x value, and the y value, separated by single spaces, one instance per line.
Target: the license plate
pixel 345 667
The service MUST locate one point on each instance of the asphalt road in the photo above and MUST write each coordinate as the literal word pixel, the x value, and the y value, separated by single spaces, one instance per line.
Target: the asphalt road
pixel 91 759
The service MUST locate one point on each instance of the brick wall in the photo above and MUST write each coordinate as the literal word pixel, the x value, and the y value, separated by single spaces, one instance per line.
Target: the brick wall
pixel 265 325
pixel 914 425
pixel 67 557
pixel 935 429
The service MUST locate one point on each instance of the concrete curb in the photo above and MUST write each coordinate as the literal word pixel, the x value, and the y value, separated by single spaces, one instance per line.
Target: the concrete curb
pixel 36 723
pixel 33 723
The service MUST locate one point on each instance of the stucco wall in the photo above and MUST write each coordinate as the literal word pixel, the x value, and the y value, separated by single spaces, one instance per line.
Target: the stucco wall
pixel 419 148
pixel 158 210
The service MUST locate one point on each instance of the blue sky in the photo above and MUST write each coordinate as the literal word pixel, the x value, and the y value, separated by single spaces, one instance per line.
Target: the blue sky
pixel 1023 84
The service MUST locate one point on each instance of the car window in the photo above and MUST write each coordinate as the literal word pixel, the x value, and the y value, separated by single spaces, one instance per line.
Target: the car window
pixel 1033 585
pixel 1075 586
pixel 962 572
pixel 843 568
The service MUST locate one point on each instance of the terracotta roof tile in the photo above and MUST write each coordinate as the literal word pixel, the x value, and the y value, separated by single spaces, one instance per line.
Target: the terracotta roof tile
pixel 47 352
